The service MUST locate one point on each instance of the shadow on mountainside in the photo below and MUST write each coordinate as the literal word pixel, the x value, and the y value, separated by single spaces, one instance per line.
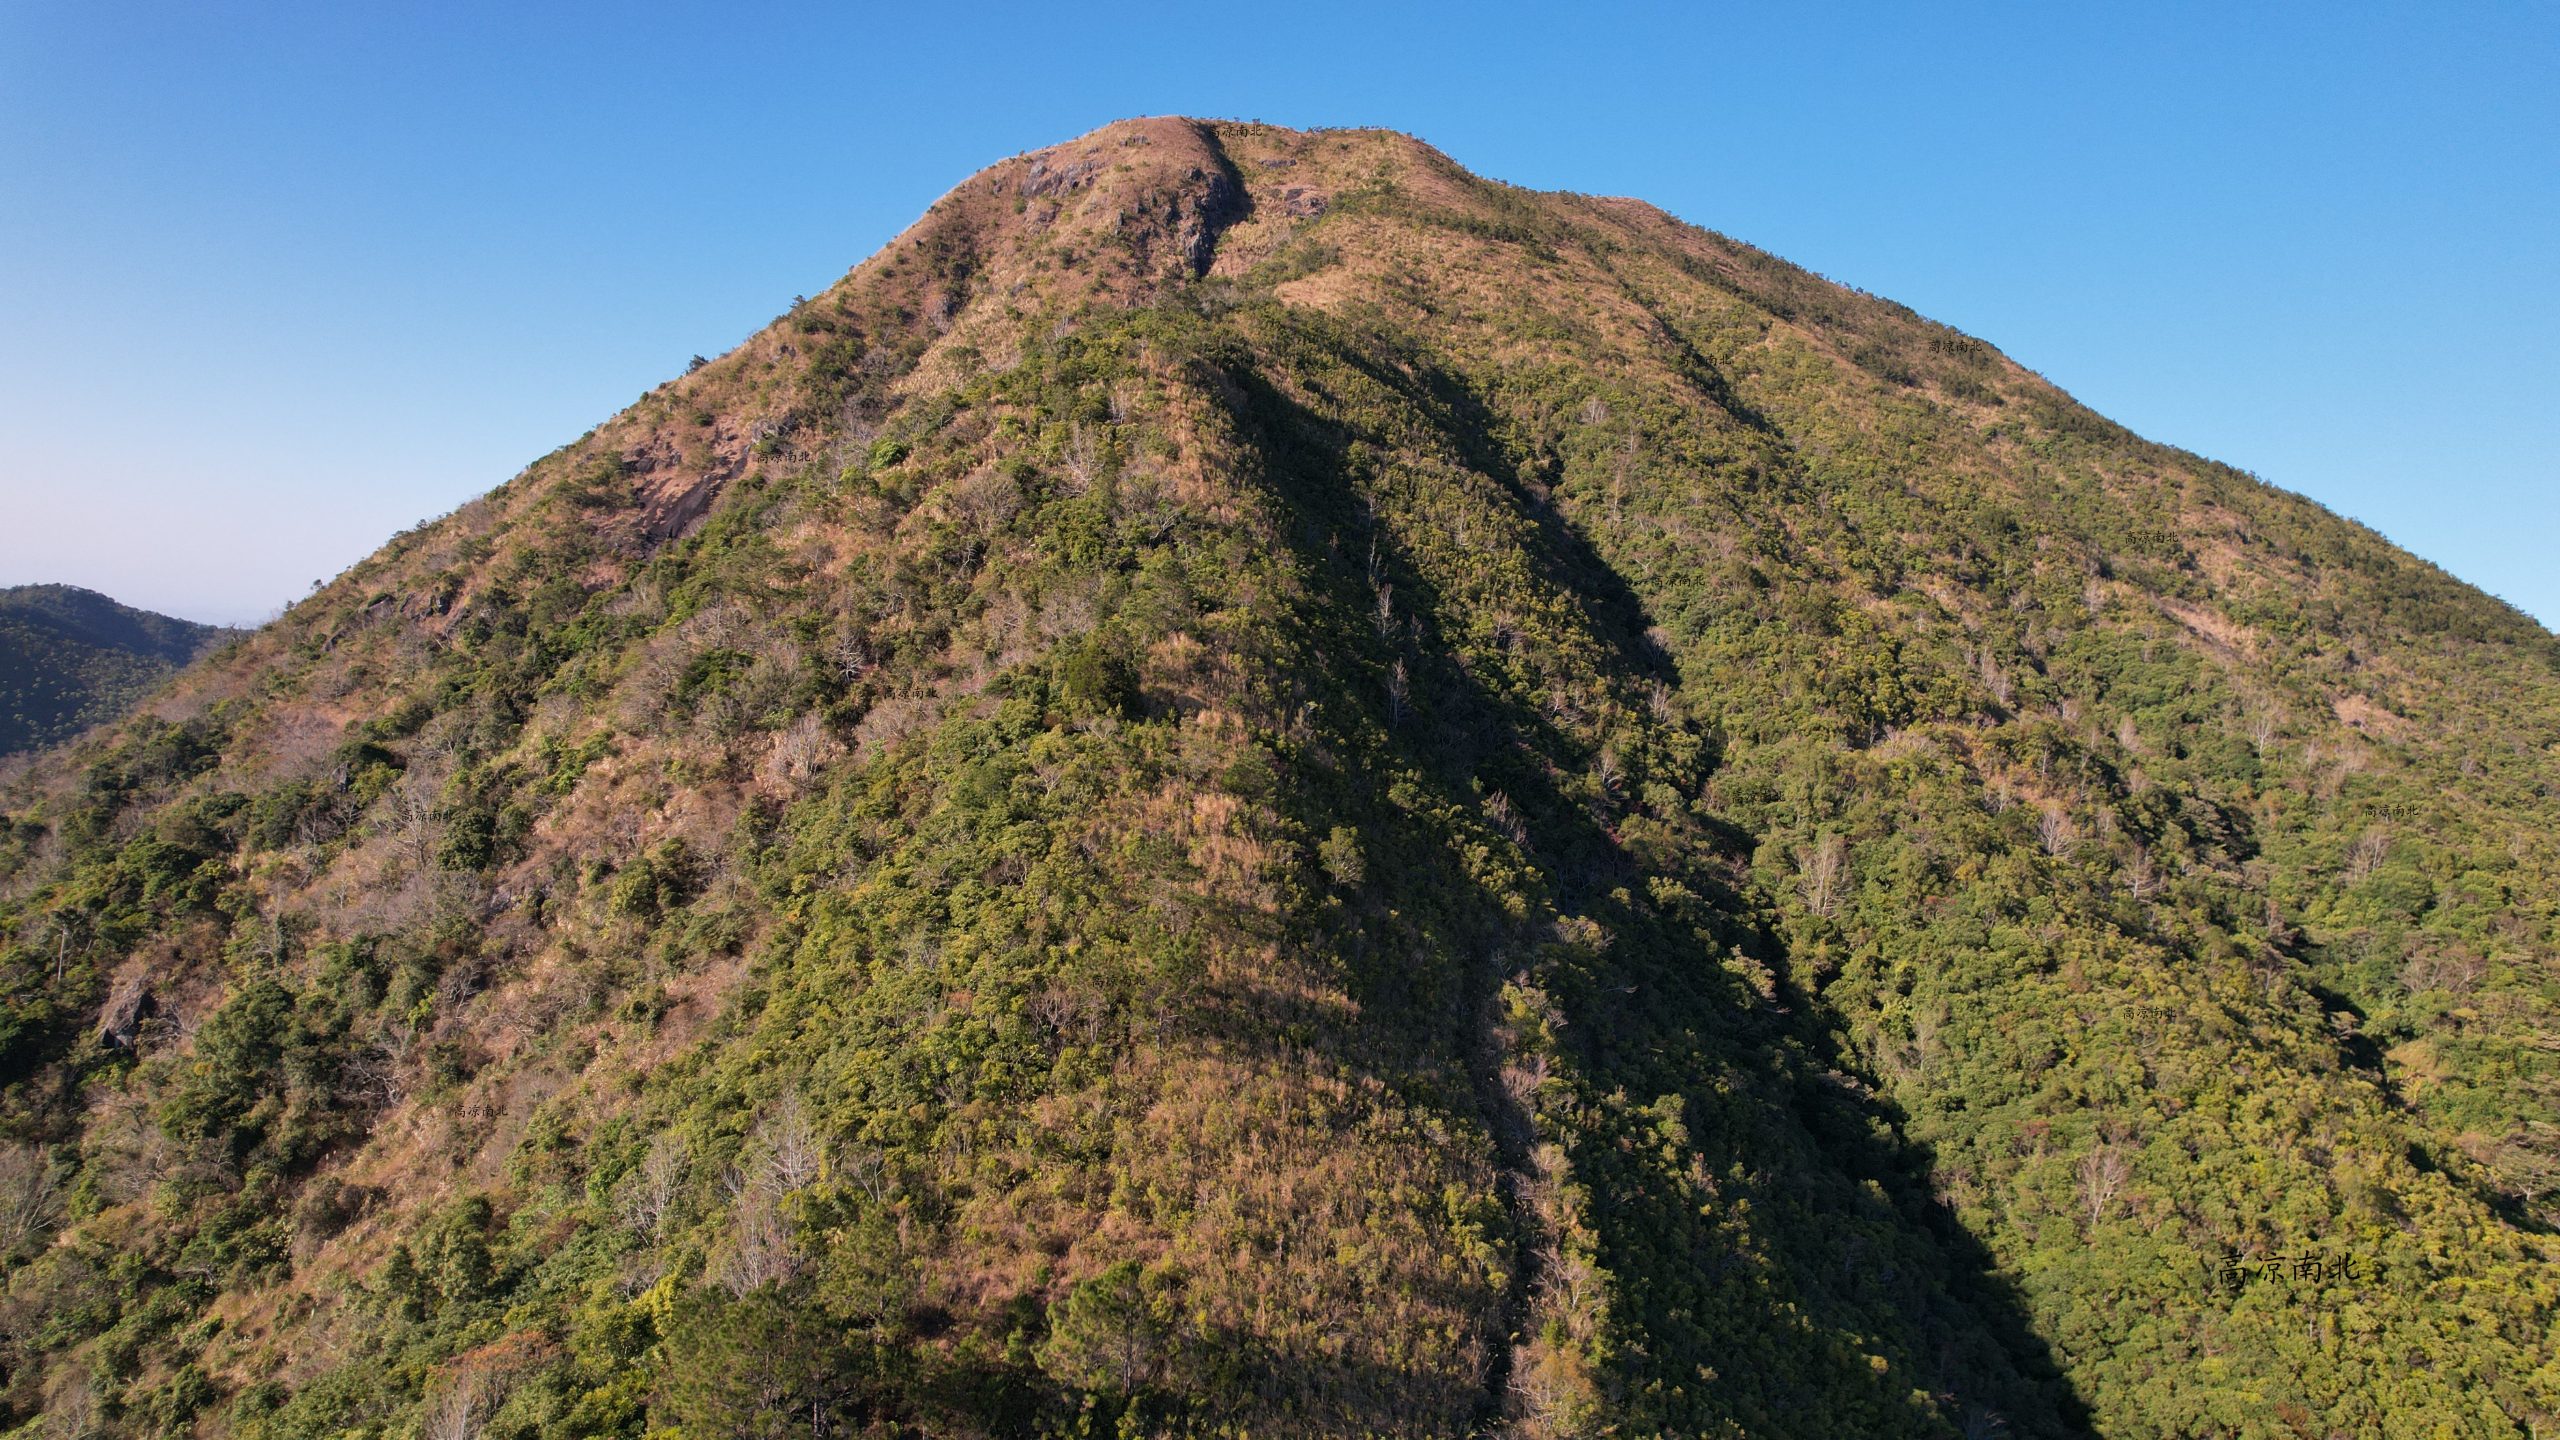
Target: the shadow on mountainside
pixel 1772 1252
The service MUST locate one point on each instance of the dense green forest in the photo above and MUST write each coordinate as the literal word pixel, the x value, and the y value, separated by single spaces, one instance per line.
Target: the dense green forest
pixel 72 658
pixel 1252 786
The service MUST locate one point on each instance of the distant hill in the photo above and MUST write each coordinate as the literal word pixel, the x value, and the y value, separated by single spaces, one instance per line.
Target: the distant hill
pixel 70 658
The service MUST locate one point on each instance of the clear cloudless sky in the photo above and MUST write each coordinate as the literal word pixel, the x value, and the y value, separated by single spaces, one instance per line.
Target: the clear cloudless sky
pixel 279 279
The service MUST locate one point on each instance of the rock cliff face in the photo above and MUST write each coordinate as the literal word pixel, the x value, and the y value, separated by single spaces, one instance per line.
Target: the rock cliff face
pixel 1252 785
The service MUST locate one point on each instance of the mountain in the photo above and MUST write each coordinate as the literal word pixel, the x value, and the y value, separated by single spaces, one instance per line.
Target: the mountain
pixel 1251 785
pixel 70 658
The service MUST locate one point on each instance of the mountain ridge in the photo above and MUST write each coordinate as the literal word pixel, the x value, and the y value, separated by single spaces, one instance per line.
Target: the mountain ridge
pixel 1250 783
pixel 71 658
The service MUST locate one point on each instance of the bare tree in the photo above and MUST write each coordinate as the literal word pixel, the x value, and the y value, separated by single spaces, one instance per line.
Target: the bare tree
pixel 868 1170
pixel 2262 731
pixel 2371 849
pixel 2141 877
pixel 376 1073
pixel 70 1403
pixel 1994 679
pixel 795 1152
pixel 30 1197
pixel 2451 970
pixel 1823 866
pixel 413 808
pixel 2054 830
pixel 851 655
pixel 762 1251
pixel 787 1153
pixel 2530 1160
pixel 1618 476
pixel 2103 1172
pixel 649 1192
pixel 801 750
pixel 1083 456
pixel 412 819
pixel 461 1409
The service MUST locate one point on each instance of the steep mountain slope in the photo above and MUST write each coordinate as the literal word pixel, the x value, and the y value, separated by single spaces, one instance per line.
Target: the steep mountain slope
pixel 71 658
pixel 1251 785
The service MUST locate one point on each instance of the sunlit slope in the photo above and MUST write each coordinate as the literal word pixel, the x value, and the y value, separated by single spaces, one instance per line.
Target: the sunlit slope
pixel 1254 786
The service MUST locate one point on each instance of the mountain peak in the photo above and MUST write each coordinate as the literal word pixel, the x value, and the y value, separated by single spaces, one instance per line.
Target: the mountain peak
pixel 1253 785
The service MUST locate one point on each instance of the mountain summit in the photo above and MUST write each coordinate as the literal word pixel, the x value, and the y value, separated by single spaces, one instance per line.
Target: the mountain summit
pixel 1251 785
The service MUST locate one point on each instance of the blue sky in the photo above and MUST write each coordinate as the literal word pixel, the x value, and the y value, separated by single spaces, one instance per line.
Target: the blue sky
pixel 284 278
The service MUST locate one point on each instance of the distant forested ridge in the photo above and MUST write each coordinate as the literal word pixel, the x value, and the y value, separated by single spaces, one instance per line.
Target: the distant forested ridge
pixel 1254 786
pixel 72 658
